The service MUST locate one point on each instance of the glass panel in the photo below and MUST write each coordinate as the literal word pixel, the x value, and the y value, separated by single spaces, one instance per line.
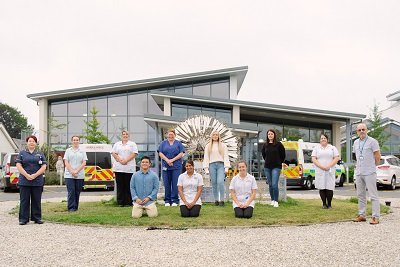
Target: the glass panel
pixel 395 138
pixel 76 126
pixel 292 133
pixel 179 111
pixel 194 111
pixel 77 108
pixel 117 105
pixel 266 126
pixel 220 89
pixel 115 127
pixel 58 109
pixel 137 104
pixel 315 135
pixel 224 116
pixel 137 125
pixel 101 105
pixel 202 89
pixel 184 89
pixel 208 111
pixel 305 133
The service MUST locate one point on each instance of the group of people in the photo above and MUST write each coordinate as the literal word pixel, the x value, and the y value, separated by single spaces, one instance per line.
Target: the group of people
pixel 140 188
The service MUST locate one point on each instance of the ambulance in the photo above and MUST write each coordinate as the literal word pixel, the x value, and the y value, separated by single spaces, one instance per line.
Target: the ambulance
pixel 98 170
pixel 299 169
pixel 9 173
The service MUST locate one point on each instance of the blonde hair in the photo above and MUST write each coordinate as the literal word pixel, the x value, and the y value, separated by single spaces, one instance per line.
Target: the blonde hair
pixel 172 130
pixel 126 131
pixel 219 144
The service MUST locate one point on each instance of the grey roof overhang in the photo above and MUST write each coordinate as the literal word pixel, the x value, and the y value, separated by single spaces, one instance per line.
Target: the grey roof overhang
pixel 263 109
pixel 240 72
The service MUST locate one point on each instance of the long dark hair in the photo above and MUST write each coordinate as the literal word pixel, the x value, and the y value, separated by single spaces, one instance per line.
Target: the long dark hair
pixel 275 140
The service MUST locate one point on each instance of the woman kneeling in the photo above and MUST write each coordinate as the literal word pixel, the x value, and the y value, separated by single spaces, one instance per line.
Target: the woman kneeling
pixel 190 185
pixel 243 191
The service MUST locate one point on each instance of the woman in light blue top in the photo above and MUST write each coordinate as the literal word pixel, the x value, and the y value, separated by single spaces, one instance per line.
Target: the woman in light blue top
pixel 75 162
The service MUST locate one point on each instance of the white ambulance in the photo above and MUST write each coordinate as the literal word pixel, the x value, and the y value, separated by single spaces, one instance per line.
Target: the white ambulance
pixel 300 170
pixel 9 173
pixel 98 170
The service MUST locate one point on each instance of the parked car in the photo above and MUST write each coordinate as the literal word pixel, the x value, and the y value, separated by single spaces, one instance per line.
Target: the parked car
pixel 387 172
pixel 9 177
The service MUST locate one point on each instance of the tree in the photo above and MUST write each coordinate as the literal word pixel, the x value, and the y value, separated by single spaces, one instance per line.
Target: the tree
pixel 92 132
pixel 14 121
pixel 376 129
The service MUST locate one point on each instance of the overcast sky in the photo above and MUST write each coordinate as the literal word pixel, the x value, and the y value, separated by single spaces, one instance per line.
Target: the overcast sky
pixel 333 55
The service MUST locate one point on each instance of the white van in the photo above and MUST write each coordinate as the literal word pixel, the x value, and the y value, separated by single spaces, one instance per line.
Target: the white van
pixel 300 169
pixel 98 170
pixel 9 173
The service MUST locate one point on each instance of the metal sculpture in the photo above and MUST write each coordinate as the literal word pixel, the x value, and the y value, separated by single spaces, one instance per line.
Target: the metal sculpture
pixel 195 132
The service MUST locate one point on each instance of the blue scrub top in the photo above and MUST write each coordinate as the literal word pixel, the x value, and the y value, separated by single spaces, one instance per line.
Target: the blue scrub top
pixel 31 162
pixel 171 152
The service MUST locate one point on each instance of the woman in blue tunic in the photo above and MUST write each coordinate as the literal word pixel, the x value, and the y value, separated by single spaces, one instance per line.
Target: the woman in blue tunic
pixel 31 165
pixel 171 152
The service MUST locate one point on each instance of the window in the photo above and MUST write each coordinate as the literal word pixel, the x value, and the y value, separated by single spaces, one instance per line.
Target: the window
pixel 291 157
pixel 77 108
pixel 202 89
pixel 307 155
pixel 101 105
pixel 117 105
pixel 138 104
pixel 184 89
pixel 58 109
pixel 220 89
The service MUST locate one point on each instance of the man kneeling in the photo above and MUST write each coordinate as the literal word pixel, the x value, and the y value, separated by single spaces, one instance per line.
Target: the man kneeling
pixel 144 189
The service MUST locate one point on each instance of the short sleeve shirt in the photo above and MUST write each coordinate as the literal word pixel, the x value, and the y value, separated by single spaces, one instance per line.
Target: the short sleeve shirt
pixel 171 152
pixel 364 150
pixel 31 162
pixel 243 188
pixel 75 159
pixel 190 186
pixel 123 151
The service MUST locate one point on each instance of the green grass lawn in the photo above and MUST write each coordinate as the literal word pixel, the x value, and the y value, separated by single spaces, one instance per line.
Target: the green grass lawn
pixel 292 212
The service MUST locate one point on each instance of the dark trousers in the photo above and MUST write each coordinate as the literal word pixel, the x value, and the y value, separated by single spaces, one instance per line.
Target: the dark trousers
pixel 244 213
pixel 170 178
pixel 30 199
pixel 74 188
pixel 193 212
pixel 124 196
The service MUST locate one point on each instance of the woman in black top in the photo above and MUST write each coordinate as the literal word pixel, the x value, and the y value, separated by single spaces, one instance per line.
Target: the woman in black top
pixel 274 155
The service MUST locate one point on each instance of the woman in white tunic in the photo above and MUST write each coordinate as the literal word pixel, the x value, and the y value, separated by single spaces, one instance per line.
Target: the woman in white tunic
pixel 325 157
pixel 190 185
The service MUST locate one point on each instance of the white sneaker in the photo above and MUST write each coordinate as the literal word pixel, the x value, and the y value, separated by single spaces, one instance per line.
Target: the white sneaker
pixel 272 203
pixel 276 204
pixel 167 204
pixel 174 205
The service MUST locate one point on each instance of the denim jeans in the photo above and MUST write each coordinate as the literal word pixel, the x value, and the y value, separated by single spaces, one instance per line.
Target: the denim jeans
pixel 74 188
pixel 217 175
pixel 273 180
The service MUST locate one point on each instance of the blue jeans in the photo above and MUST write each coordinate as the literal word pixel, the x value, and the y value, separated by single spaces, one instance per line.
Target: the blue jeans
pixel 74 188
pixel 217 175
pixel 273 180
pixel 170 178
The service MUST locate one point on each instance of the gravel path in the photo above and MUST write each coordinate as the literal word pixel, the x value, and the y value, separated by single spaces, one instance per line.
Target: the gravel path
pixel 334 244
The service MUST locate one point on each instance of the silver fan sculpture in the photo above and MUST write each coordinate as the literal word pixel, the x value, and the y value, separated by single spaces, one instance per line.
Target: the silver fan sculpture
pixel 195 132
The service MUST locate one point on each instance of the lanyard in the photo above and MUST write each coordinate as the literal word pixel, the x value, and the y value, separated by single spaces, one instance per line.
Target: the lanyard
pixel 361 150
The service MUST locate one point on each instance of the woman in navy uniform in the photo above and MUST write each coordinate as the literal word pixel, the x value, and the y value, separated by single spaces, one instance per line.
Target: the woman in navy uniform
pixel 31 165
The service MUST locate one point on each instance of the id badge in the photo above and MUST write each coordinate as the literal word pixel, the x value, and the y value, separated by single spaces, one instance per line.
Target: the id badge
pixel 361 157
pixel 164 168
pixel 40 162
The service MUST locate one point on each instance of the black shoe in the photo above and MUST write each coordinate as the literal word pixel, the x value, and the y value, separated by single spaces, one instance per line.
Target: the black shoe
pixel 39 222
pixel 221 204
pixel 329 206
pixel 120 205
pixel 324 207
pixel 22 223
pixel 216 203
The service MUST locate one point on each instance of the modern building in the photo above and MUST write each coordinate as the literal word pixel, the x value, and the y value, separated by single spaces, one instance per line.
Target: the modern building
pixel 147 108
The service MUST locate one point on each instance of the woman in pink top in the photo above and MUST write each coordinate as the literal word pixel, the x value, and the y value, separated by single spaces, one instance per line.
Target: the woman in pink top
pixel 216 163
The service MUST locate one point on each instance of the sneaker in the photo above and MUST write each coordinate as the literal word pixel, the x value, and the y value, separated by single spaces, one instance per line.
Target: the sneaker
pixel 167 204
pixel 329 206
pixel 360 219
pixel 324 207
pixel 174 205
pixel 272 203
pixel 374 221
pixel 276 204
pixel 221 204
pixel 216 203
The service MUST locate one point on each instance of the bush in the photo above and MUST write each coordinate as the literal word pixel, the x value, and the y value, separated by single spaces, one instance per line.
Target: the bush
pixel 351 174
pixel 52 178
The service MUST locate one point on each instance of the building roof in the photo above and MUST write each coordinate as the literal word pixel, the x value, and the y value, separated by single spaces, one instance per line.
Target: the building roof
pixel 239 72
pixel 393 96
pixel 259 109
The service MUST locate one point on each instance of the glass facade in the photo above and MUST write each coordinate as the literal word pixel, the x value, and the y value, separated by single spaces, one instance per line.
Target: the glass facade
pixel 125 110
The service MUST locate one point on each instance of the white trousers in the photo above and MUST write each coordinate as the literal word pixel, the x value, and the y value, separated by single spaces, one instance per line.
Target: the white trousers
pixel 368 182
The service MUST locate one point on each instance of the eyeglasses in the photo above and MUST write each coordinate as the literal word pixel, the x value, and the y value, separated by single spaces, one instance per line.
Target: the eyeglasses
pixel 361 130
